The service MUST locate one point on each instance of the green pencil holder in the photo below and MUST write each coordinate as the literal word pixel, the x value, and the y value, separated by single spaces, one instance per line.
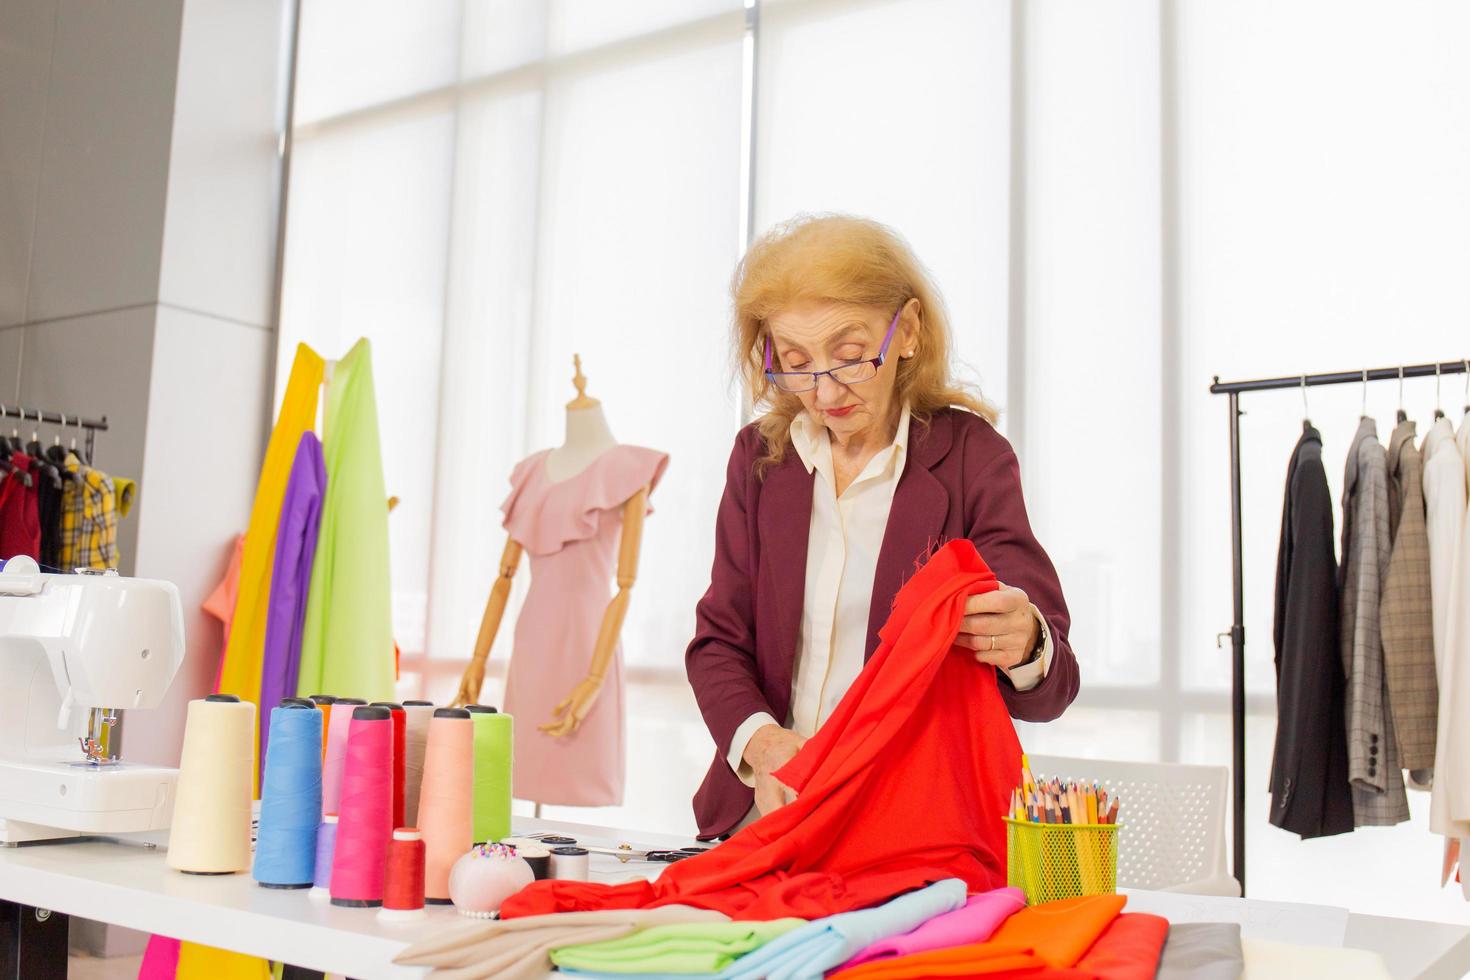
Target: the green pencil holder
pixel 1050 861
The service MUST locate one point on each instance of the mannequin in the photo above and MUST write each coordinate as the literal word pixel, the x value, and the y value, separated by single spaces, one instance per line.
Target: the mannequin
pixel 587 438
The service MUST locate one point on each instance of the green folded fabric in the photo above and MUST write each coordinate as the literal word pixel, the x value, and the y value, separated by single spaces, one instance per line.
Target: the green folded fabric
pixel 689 947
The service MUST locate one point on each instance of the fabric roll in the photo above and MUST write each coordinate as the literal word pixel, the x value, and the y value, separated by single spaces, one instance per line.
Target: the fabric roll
pixel 914 707
pixel 291 577
pixel 821 945
pixel 1202 951
pixel 1266 960
pixel 241 667
pixel 698 948
pixel 347 640
pixel 198 962
pixel 975 922
pixel 521 947
pixel 1049 937
pixel 1128 949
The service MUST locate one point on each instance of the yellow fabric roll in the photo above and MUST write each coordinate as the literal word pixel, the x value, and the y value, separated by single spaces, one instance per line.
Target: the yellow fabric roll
pixel 207 963
pixel 240 672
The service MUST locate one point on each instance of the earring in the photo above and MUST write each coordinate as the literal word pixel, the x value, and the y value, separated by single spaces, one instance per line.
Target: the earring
pixel 908 353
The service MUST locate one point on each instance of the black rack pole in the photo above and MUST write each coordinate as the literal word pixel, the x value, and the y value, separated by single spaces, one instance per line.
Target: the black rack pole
pixel 1237 583
pixel 1237 646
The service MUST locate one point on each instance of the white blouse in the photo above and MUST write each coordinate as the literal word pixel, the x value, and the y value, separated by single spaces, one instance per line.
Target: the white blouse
pixel 842 557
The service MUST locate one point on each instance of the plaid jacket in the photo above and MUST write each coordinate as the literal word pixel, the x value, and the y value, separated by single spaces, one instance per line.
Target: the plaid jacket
pixel 1405 611
pixel 1373 763
pixel 88 519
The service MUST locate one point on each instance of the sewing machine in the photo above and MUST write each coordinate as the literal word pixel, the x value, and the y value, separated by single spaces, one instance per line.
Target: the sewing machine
pixel 74 651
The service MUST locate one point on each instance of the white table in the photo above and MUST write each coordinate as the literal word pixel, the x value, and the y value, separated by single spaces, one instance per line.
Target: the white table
pixel 130 886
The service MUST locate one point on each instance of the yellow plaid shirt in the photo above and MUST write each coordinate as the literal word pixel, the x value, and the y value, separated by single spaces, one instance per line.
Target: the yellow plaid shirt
pixel 88 518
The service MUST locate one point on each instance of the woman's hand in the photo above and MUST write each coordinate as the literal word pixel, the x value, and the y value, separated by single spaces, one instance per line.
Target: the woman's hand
pixel 770 748
pixel 1000 627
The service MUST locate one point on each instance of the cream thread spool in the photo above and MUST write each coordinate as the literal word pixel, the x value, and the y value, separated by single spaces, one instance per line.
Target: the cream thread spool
pixel 569 863
pixel 211 826
pixel 416 742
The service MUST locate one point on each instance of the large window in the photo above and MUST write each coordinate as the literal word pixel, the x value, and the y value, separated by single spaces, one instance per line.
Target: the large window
pixel 1118 200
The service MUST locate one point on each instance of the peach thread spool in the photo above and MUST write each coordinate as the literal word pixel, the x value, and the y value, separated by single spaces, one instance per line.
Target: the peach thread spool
pixel 446 816
pixel 365 823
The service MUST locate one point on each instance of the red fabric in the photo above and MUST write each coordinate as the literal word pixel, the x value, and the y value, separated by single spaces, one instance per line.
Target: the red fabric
pixel 1129 949
pixel 904 785
pixel 20 525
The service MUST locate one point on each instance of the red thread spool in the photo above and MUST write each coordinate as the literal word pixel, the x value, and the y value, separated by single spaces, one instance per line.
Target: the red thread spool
pixel 400 722
pixel 403 892
pixel 365 823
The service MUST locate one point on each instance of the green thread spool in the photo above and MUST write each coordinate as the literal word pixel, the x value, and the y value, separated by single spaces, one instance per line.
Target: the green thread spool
pixel 492 778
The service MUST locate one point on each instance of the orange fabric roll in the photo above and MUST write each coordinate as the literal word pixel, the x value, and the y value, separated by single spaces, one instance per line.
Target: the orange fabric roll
pixel 1060 932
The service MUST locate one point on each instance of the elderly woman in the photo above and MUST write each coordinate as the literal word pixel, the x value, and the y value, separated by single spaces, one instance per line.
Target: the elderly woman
pixel 868 455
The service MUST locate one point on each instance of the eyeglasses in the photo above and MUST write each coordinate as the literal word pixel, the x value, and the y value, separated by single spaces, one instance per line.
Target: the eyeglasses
pixel 845 374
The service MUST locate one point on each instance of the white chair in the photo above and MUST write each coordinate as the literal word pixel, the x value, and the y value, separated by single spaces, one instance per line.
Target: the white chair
pixel 1173 820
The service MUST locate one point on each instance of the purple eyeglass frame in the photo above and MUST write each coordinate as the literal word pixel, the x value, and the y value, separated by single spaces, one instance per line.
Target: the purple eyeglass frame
pixel 816 376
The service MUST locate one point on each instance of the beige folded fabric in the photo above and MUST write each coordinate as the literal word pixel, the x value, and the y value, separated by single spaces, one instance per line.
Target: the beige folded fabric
pixel 518 949
pixel 1266 960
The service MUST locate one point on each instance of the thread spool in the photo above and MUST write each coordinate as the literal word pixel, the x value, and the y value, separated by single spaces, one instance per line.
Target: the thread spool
pixel 211 826
pixel 538 857
pixel 326 849
pixel 554 842
pixel 445 814
pixel 493 747
pixel 336 751
pixel 569 863
pixel 364 824
pixel 399 721
pixel 290 797
pixel 417 715
pixel 323 703
pixel 403 890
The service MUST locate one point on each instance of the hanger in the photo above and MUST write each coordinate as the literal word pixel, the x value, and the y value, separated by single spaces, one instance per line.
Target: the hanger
pixel 1401 415
pixel 1306 409
pixel 1364 413
pixel 12 446
pixel 39 462
pixel 1438 411
pixel 56 455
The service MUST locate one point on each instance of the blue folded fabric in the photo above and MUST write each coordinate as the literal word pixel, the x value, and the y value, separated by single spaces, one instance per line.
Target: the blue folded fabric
pixel 807 952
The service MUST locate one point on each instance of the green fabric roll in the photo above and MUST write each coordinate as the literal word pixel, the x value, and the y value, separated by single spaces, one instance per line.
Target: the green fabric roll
pixel 692 947
pixel 493 734
pixel 347 641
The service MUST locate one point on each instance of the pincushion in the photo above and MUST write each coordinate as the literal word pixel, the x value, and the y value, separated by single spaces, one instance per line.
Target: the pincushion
pixel 484 877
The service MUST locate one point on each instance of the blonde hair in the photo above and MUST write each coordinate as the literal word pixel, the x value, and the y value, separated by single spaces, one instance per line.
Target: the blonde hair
pixel 845 259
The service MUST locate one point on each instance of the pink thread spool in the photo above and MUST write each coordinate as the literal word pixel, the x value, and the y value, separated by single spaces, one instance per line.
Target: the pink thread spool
pixel 446 812
pixel 365 823
pixel 338 724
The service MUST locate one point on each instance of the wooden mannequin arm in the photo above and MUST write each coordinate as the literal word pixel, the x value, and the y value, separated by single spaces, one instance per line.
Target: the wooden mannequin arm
pixel 474 672
pixel 568 715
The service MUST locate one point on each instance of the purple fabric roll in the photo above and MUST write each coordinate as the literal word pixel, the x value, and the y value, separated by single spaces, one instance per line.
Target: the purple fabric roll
pixel 301 511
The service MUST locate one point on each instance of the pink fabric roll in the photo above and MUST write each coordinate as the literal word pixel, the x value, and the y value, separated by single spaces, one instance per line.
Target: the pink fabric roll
pixel 160 959
pixel 974 922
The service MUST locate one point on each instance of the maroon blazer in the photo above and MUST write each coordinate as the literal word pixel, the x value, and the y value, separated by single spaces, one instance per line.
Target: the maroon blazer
pixel 961 481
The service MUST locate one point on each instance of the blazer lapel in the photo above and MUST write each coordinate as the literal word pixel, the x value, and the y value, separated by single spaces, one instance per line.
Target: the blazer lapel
pixel 785 523
pixel 915 519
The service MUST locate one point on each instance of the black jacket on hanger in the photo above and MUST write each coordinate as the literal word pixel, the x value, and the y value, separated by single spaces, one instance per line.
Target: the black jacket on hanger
pixel 1310 793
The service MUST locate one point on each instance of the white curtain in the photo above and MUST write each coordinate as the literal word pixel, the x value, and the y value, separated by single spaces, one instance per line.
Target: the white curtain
pixel 1176 189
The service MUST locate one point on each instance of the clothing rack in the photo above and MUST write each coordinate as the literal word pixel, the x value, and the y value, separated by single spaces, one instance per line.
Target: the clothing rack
pixel 1237 628
pixel 89 426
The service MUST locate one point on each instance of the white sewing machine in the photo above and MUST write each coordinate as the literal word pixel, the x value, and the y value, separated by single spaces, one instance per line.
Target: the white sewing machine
pixel 74 650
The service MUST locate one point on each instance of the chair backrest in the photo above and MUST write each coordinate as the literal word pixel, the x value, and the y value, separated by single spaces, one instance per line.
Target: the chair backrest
pixel 1172 816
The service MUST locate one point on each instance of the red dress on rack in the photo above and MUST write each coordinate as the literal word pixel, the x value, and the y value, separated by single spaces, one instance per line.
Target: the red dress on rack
pixel 904 785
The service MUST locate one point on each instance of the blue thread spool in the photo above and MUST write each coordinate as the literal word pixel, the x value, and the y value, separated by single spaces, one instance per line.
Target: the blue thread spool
pixel 291 797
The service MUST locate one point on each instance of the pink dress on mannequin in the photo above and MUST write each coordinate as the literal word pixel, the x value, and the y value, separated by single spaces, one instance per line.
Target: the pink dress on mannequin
pixel 570 528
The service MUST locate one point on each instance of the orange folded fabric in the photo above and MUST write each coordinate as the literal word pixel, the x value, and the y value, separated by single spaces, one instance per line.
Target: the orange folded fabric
pixel 1039 943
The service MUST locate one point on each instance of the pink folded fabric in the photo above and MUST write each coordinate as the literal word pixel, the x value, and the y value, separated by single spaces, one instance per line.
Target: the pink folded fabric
pixel 974 922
